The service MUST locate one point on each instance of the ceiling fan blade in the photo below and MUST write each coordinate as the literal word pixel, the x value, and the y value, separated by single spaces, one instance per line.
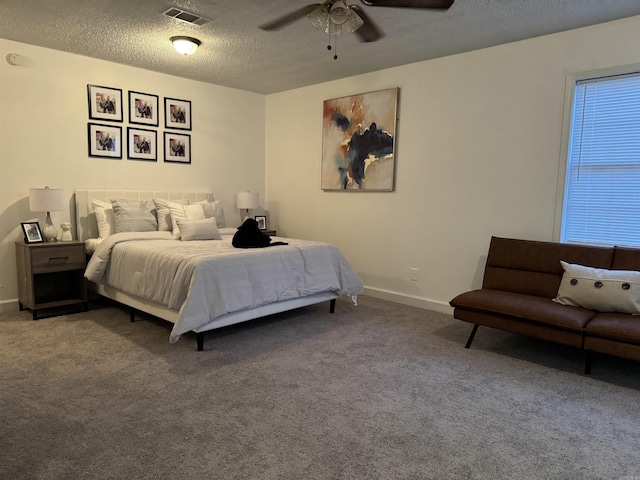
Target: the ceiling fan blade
pixel 285 20
pixel 369 32
pixel 429 4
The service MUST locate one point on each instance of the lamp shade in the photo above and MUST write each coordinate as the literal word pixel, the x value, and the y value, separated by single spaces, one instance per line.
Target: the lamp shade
pixel 185 45
pixel 248 200
pixel 46 199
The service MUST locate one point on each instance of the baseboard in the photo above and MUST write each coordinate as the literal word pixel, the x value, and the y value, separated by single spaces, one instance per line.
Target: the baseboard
pixel 9 305
pixel 420 302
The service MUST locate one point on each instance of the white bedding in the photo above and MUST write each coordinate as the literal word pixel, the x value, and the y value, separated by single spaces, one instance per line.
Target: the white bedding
pixel 203 280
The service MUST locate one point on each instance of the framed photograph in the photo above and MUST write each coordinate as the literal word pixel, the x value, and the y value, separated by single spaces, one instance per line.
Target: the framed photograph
pixel 105 141
pixel 32 232
pixel 142 144
pixel 177 147
pixel 143 108
pixel 177 114
pixel 367 123
pixel 105 103
pixel 262 222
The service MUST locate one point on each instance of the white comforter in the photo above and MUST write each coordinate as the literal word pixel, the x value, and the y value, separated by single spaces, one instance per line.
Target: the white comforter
pixel 203 280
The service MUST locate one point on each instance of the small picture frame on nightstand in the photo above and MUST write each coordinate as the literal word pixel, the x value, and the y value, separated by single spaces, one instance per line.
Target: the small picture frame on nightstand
pixel 262 222
pixel 32 232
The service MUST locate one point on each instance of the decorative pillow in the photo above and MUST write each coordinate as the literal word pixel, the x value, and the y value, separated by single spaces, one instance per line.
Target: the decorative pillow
pixel 134 215
pixel 204 229
pixel 184 212
pixel 164 214
pixel 599 289
pixel 214 209
pixel 104 217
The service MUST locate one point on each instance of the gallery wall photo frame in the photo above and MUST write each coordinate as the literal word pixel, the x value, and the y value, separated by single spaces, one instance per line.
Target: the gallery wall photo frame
pixel 32 232
pixel 105 141
pixel 177 147
pixel 144 108
pixel 142 144
pixel 367 123
pixel 177 114
pixel 105 103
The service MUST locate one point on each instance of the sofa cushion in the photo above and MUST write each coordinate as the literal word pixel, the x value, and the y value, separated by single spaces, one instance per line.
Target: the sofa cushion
pixel 600 289
pixel 526 307
pixel 615 326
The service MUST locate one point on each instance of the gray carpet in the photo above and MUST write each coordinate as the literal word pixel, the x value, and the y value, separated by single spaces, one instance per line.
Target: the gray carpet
pixel 378 391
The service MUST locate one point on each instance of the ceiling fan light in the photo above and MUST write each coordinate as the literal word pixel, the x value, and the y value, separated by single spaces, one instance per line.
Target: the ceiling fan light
pixel 353 23
pixel 318 17
pixel 185 45
pixel 331 28
pixel 339 12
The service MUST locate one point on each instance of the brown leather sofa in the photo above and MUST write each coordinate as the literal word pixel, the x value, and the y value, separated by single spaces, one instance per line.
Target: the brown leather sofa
pixel 521 279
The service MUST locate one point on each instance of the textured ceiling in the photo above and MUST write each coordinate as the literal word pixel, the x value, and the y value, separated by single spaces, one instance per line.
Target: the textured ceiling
pixel 237 54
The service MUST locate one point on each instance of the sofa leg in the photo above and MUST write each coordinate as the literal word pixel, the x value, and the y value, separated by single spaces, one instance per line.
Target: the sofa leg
pixel 473 334
pixel 587 362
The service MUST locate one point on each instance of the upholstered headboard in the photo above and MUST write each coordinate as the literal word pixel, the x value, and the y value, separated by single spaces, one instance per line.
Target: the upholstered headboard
pixel 86 225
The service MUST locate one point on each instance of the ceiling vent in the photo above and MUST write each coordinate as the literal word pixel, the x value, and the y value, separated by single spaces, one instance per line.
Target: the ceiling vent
pixel 186 16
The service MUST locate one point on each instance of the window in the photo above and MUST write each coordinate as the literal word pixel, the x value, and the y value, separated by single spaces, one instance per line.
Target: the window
pixel 602 188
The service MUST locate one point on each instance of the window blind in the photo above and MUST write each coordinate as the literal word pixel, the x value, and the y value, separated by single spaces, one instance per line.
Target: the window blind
pixel 602 189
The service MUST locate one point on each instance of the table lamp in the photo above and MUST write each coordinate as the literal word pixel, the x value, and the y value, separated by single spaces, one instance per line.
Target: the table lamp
pixel 247 201
pixel 47 200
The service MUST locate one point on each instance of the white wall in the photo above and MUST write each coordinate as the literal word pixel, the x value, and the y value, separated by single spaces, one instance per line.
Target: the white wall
pixel 478 153
pixel 43 139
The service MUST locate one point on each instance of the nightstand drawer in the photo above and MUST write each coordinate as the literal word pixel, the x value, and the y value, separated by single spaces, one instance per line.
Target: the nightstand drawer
pixel 63 257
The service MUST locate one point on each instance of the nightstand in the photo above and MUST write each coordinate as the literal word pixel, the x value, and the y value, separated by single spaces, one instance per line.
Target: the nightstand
pixel 51 275
pixel 270 232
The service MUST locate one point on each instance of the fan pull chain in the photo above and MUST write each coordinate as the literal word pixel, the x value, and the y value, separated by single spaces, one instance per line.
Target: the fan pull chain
pixel 335 41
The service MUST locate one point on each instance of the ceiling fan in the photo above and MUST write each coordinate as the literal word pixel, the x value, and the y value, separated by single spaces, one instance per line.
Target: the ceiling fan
pixel 334 16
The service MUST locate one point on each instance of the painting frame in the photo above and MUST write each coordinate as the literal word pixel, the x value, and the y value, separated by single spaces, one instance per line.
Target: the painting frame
pixel 105 103
pixel 172 151
pixel 136 147
pixel 32 232
pixel 177 113
pixel 359 142
pixel 98 135
pixel 262 221
pixel 144 108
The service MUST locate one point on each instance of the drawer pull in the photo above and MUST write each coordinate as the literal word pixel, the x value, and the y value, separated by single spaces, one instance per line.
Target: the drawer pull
pixel 53 259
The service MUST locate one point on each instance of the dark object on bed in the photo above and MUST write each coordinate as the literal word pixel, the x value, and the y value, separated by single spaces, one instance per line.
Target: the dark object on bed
pixel 521 279
pixel 250 236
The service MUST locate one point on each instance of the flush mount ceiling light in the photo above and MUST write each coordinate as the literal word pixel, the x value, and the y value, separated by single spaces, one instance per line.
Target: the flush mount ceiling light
pixel 185 45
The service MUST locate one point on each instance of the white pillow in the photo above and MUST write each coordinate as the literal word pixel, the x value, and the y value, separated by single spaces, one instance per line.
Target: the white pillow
pixel 164 214
pixel 105 217
pixel 204 229
pixel 214 209
pixel 599 289
pixel 134 215
pixel 184 212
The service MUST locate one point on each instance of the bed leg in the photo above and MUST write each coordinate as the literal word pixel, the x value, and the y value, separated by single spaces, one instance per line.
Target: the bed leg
pixel 332 306
pixel 132 315
pixel 200 341
pixel 473 334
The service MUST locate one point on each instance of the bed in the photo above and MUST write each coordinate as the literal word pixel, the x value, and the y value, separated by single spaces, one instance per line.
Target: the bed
pixel 196 282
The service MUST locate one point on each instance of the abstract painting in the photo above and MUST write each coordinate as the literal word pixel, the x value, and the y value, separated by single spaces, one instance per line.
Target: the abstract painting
pixel 358 137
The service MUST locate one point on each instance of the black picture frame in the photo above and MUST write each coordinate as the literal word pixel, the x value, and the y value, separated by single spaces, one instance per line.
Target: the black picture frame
pixel 144 108
pixel 142 144
pixel 98 136
pixel 177 114
pixel 262 221
pixel 177 147
pixel 105 103
pixel 32 232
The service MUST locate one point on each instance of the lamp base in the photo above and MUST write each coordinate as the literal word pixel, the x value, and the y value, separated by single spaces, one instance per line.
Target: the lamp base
pixel 49 232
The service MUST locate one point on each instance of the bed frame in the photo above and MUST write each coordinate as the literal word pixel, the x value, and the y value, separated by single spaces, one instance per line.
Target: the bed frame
pixel 87 227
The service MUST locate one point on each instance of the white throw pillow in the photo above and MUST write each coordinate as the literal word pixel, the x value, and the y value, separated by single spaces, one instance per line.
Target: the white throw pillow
pixel 600 289
pixel 184 212
pixel 204 229
pixel 164 214
pixel 134 215
pixel 104 217
pixel 214 209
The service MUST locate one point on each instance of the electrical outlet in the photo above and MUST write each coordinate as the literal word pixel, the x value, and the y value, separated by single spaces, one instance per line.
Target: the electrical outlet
pixel 414 274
